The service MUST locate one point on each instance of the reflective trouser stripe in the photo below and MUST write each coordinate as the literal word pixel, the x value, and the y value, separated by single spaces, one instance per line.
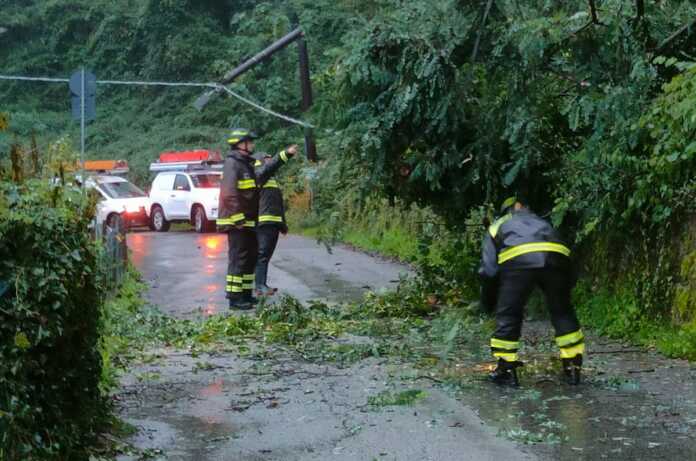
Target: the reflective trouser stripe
pixel 570 339
pixel 572 351
pixel 270 218
pixel 271 183
pixel 507 356
pixel 234 283
pixel 250 224
pixel 505 344
pixel 249 280
pixel 504 349
pixel 571 344
pixel 525 248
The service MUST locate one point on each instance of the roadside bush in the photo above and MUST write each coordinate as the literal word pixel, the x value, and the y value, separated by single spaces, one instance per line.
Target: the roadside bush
pixel 50 366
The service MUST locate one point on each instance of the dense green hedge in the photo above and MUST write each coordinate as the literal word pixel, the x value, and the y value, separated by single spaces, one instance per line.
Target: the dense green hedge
pixel 50 366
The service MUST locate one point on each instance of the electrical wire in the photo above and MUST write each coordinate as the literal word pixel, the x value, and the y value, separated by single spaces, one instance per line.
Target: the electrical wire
pixel 216 86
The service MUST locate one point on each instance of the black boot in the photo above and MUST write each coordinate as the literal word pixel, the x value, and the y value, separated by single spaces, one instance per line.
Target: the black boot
pixel 239 302
pixel 506 373
pixel 571 369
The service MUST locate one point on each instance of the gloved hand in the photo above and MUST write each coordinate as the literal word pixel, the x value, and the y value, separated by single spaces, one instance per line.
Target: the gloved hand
pixel 489 294
pixel 291 151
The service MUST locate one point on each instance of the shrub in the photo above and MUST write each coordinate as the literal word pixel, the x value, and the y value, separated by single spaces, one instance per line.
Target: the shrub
pixel 50 404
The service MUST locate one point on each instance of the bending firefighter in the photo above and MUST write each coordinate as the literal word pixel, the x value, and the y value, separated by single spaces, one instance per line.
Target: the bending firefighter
pixel 271 223
pixel 239 208
pixel 521 251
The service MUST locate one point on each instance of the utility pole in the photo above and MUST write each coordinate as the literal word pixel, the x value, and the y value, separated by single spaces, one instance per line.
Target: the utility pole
pixel 82 123
pixel 296 35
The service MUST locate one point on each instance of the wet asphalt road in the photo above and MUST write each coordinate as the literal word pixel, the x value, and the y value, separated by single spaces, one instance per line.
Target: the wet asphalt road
pixel 227 407
pixel 186 271
pixel 633 404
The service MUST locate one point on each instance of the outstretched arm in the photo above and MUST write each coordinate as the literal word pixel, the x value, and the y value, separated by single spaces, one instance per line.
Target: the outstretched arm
pixel 268 169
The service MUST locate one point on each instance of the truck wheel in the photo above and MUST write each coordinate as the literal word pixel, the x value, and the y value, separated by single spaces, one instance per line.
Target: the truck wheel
pixel 158 222
pixel 200 220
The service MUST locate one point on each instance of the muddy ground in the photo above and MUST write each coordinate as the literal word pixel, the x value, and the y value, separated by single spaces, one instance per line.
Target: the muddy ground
pixel 269 404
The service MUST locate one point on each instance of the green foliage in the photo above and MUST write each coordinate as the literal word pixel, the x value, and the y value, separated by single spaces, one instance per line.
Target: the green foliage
pixel 403 398
pixel 50 403
pixel 617 313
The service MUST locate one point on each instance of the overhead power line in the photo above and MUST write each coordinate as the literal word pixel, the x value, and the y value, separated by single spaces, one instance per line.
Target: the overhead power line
pixel 216 86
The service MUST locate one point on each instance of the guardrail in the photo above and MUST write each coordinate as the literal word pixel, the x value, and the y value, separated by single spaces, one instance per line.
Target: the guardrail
pixel 115 263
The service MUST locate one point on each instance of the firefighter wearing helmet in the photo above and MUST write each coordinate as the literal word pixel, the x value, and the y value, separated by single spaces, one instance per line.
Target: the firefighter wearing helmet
pixel 238 214
pixel 521 251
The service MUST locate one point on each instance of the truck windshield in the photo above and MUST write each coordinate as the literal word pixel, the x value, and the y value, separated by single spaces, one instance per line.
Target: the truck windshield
pixel 206 181
pixel 121 190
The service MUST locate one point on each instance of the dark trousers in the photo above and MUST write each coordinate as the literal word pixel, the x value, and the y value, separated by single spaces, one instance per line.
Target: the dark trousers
pixel 513 293
pixel 242 249
pixel 268 240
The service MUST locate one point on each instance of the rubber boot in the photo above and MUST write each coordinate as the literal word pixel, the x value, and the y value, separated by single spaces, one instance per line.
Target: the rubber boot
pixel 571 369
pixel 506 373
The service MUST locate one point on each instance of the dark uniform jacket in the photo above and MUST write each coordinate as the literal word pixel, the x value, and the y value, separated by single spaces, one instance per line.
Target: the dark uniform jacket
pixel 271 206
pixel 519 240
pixel 239 189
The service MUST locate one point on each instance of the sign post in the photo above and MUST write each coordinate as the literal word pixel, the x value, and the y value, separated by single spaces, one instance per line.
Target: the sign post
pixel 83 87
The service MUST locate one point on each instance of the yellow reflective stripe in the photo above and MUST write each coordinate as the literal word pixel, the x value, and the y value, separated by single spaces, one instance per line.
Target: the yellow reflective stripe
pixel 246 184
pixel 507 356
pixel 248 286
pixel 234 278
pixel 503 344
pixel 234 288
pixel 270 218
pixel 251 277
pixel 508 202
pixel 525 248
pixel 232 140
pixel 249 224
pixel 258 163
pixel 271 183
pixel 230 220
pixel 570 338
pixel 493 229
pixel 570 352
pixel 283 156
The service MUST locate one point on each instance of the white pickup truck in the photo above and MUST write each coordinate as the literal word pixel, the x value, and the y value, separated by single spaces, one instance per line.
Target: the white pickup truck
pixel 185 196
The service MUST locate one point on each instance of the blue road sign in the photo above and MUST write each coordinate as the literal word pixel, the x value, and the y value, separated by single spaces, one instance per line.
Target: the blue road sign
pixel 90 93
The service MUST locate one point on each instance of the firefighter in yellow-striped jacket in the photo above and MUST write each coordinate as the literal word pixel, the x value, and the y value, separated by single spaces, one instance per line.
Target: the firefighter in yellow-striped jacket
pixel 238 212
pixel 521 251
pixel 271 223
